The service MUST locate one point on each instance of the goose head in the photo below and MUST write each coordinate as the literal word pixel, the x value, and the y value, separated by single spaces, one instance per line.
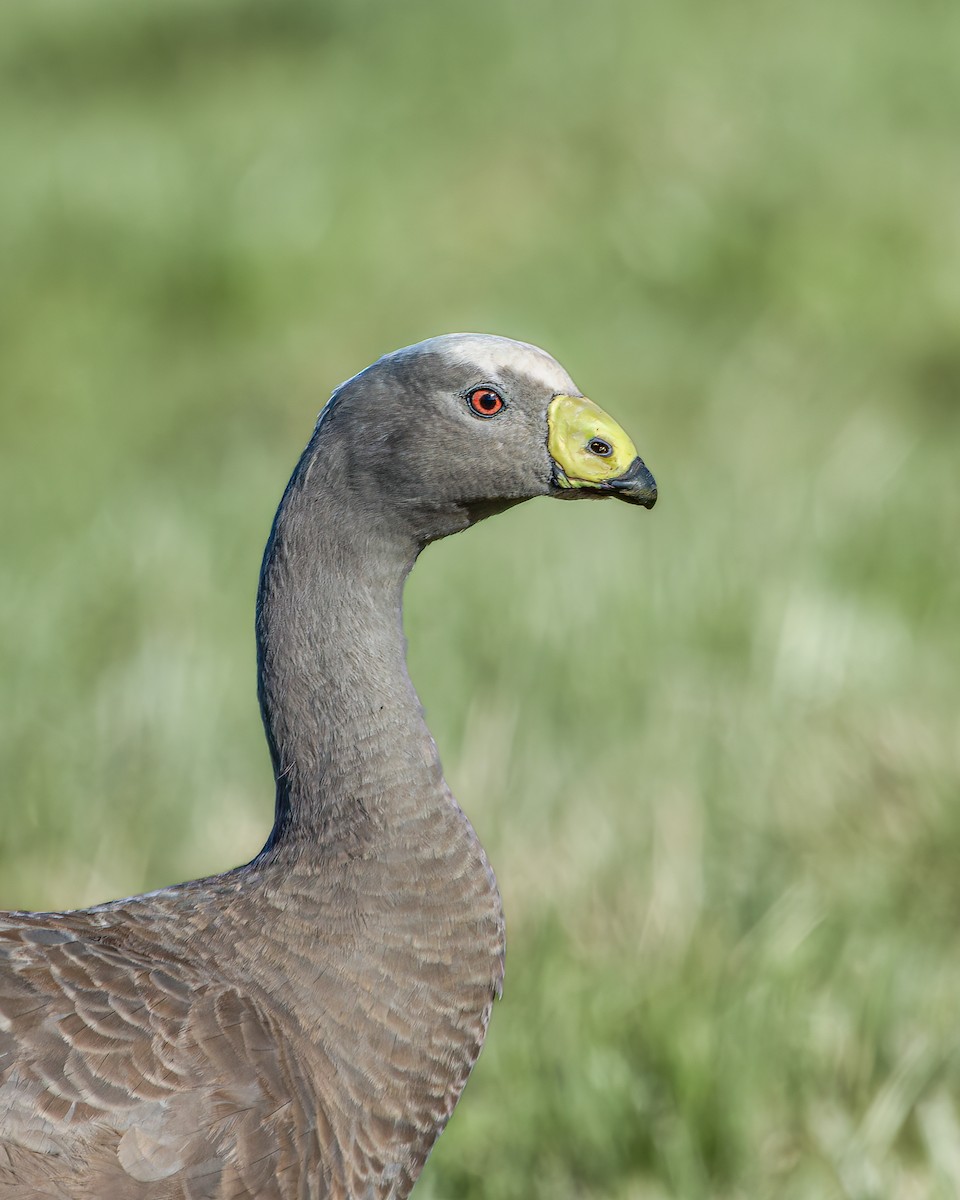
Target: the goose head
pixel 443 433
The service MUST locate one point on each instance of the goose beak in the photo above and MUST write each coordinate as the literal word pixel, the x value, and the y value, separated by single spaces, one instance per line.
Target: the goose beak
pixel 593 455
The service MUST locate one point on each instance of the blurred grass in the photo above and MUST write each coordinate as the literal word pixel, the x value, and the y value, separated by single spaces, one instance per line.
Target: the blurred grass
pixel 714 751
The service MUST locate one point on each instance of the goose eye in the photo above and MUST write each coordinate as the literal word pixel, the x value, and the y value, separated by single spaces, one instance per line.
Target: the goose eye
pixel 485 402
pixel 600 447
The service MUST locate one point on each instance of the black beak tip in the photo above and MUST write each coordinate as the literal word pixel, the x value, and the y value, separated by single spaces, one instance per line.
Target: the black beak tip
pixel 636 485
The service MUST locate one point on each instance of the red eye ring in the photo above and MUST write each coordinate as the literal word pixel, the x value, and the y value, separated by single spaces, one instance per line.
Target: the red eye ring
pixel 485 402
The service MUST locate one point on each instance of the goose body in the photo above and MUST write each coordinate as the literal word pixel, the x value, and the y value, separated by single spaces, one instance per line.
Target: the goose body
pixel 302 1026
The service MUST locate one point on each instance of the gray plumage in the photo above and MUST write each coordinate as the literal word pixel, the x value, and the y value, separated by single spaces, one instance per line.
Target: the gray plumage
pixel 303 1025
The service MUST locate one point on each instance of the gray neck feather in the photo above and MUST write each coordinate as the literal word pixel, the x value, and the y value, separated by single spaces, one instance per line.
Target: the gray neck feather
pixel 344 724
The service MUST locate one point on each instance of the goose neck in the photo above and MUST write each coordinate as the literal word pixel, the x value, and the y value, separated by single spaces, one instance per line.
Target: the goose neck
pixel 343 722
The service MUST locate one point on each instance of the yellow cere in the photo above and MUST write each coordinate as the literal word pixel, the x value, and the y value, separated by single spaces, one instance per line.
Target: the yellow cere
pixel 573 423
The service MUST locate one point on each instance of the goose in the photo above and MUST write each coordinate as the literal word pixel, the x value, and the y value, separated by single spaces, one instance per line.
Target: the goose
pixel 303 1025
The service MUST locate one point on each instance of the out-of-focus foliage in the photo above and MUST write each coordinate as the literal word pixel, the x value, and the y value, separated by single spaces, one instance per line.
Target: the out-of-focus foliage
pixel 714 751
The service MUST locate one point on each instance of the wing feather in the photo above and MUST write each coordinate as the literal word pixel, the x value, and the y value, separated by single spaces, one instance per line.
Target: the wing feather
pixel 122 1078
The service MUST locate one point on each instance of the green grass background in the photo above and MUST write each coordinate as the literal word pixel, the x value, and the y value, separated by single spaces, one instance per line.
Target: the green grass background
pixel 714 750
